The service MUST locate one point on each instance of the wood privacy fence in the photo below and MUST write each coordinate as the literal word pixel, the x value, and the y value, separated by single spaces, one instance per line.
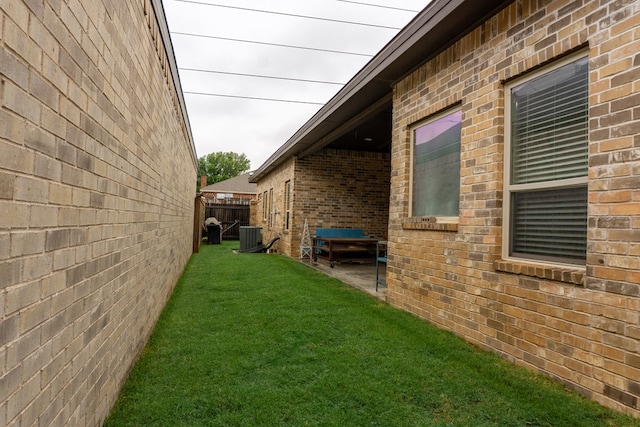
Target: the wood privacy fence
pixel 228 214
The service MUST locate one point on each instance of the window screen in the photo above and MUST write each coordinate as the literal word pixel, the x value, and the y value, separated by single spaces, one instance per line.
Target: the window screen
pixel 550 224
pixel 436 167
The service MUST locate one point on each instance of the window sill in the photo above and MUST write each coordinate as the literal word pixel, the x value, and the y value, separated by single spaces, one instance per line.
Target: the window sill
pixel 559 273
pixel 428 223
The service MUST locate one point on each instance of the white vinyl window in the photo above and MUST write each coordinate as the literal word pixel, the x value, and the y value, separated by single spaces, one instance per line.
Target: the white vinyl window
pixel 271 212
pixel 265 208
pixel 287 204
pixel 546 154
pixel 435 181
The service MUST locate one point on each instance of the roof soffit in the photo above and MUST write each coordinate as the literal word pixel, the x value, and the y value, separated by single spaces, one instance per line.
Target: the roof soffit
pixel 433 30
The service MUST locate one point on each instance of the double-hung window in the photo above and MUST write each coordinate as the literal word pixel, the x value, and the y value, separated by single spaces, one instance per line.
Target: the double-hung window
pixel 546 154
pixel 287 204
pixel 265 208
pixel 435 183
pixel 271 212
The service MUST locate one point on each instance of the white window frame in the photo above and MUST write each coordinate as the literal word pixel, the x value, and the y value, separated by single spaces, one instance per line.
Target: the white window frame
pixel 287 205
pixel 264 207
pixel 546 185
pixel 412 129
pixel 271 211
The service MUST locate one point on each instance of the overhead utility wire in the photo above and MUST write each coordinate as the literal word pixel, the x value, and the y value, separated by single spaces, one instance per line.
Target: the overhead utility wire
pixel 261 76
pixel 379 5
pixel 270 44
pixel 253 98
pixel 289 14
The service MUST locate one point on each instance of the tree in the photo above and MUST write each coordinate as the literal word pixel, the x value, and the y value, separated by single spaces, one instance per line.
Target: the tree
pixel 220 166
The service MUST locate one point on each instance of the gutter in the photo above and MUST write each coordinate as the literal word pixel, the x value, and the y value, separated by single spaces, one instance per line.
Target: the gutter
pixel 437 27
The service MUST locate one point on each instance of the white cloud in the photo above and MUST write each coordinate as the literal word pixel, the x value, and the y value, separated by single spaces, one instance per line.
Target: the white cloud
pixel 258 128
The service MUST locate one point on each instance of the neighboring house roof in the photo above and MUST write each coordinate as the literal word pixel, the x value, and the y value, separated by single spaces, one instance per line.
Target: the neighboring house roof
pixel 434 29
pixel 239 185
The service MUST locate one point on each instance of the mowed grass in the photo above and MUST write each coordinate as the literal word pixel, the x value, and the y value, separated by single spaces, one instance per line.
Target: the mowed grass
pixel 261 339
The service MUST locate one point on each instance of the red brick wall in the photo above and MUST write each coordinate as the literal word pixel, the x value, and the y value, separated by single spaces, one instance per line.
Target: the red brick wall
pixel 578 325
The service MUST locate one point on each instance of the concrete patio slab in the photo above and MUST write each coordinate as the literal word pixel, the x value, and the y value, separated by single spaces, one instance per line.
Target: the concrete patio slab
pixel 358 275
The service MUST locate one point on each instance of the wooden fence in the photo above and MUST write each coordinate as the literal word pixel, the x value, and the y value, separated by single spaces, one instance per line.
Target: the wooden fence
pixel 228 215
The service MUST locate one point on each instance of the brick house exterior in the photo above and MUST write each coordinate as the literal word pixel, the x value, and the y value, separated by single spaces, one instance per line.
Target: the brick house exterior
pixel 577 321
pixel 97 166
pixel 578 324
pixel 233 190
pixel 330 188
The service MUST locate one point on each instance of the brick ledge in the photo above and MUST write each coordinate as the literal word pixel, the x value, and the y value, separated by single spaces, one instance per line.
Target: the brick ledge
pixel 574 276
pixel 434 226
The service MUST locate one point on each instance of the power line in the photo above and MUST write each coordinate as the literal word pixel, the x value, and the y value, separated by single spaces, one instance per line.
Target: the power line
pixel 269 44
pixel 261 76
pixel 379 5
pixel 290 14
pixel 253 98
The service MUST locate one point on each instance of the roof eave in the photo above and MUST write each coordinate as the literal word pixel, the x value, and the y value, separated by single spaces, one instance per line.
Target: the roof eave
pixel 434 29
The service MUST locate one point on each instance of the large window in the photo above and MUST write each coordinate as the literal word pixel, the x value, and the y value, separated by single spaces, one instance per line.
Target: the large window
pixel 546 164
pixel 436 166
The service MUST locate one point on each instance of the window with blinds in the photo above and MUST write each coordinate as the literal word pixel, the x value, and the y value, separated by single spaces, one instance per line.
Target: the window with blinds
pixel 547 158
pixel 550 224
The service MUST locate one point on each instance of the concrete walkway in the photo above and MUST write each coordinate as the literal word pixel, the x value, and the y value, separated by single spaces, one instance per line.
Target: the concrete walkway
pixel 361 276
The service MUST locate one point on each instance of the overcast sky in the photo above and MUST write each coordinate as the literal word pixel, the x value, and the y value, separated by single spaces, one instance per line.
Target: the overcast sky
pixel 258 127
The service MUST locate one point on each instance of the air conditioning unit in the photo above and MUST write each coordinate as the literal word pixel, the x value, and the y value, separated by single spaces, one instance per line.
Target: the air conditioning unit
pixel 250 238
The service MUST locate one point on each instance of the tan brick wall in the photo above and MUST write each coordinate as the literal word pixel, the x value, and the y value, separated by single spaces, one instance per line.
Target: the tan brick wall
pixel 96 202
pixel 579 326
pixel 331 188
pixel 273 225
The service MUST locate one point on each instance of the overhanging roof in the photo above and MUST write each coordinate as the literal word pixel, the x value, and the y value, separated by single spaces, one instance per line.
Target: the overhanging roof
pixel 434 29
pixel 238 184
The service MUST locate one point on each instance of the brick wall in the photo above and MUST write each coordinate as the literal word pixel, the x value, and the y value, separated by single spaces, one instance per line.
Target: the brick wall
pixel 96 202
pixel 331 188
pixel 577 325
pixel 273 225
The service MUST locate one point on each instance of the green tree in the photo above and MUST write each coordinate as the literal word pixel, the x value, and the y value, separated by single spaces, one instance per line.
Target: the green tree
pixel 220 166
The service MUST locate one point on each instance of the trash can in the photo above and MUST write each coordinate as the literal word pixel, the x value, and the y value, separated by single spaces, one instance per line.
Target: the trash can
pixel 214 231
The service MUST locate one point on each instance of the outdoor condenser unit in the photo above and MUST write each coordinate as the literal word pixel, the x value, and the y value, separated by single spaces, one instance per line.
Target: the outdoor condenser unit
pixel 250 237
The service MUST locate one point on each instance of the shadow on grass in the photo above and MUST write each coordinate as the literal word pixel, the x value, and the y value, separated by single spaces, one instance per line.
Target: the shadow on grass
pixel 259 339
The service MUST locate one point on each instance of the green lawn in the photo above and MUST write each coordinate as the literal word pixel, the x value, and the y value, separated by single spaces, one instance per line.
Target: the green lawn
pixel 257 339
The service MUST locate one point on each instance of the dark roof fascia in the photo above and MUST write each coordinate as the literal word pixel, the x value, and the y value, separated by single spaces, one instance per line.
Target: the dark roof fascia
pixel 434 29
